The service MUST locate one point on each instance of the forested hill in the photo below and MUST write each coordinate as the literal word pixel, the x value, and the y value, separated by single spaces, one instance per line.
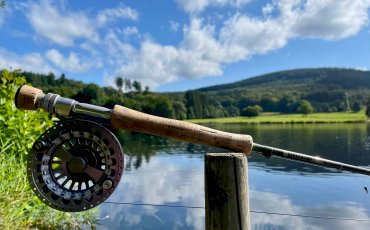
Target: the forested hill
pixel 325 89
pixel 323 77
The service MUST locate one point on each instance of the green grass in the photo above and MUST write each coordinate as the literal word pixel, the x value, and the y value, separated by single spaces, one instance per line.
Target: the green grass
pixel 20 208
pixel 277 118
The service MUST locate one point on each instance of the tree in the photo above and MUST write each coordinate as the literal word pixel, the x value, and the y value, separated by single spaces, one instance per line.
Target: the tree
pixel 305 107
pixel 89 94
pixel 193 99
pixel 346 102
pixel 128 85
pixel 180 110
pixel 147 89
pixel 119 83
pixel 356 107
pixel 251 111
pixel 233 111
pixel 368 107
pixel 2 4
pixel 137 86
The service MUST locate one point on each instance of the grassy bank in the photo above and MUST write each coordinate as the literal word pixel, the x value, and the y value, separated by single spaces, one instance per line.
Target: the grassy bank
pixel 20 208
pixel 277 118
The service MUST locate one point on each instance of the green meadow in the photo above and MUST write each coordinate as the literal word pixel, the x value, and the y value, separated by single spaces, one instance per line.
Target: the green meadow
pixel 278 118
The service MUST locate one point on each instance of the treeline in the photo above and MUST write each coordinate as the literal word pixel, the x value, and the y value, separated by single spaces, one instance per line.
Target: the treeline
pixel 325 89
pixel 296 91
pixel 135 98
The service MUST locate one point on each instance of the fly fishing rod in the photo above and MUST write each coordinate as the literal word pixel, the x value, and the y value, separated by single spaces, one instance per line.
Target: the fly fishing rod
pixel 77 164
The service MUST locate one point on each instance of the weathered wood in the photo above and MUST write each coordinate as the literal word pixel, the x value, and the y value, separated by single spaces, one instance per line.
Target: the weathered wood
pixel 226 191
pixel 128 119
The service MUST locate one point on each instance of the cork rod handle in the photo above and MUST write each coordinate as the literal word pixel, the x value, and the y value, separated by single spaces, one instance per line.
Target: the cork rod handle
pixel 128 119
pixel 28 97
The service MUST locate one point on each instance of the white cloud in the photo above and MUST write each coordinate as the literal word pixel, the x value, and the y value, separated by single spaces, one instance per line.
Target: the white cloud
pixel 130 30
pixel 29 62
pixel 174 26
pixel 200 53
pixel 71 63
pixel 331 19
pixel 119 52
pixel 155 64
pixel 251 36
pixel 197 6
pixel 267 9
pixel 120 12
pixel 272 202
pixel 59 27
pixel 205 48
pixel 171 185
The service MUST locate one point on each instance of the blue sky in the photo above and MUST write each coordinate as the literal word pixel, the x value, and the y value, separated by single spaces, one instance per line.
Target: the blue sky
pixel 173 45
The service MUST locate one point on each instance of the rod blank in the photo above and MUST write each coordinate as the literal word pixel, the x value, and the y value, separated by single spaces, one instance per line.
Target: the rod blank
pixel 268 151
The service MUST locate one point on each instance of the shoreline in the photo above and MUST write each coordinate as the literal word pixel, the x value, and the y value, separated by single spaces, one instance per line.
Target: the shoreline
pixel 275 118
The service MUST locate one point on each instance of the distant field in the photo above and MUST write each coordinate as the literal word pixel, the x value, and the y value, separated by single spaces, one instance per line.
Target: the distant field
pixel 266 118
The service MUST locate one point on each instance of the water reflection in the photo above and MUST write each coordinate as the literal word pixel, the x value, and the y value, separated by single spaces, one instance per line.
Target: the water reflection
pixel 346 143
pixel 165 180
pixel 167 172
pixel 284 204
pixel 139 148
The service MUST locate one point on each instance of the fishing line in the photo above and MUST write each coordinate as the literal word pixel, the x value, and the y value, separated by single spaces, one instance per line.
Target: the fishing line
pixel 252 211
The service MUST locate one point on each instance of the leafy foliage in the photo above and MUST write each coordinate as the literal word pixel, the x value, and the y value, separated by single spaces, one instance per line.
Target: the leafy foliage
pixel 119 83
pixel 356 107
pixel 20 208
pixel 305 107
pixel 327 89
pixel 251 111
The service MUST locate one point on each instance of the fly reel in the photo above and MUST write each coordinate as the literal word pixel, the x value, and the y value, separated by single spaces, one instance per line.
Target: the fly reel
pixel 75 165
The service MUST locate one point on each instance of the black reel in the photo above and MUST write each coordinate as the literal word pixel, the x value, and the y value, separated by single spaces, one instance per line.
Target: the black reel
pixel 75 165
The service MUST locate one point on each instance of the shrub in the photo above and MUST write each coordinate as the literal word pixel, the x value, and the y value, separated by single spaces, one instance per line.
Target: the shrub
pixel 356 107
pixel 305 107
pixel 251 111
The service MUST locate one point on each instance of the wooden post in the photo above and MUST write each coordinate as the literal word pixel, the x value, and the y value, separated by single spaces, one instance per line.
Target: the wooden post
pixel 226 191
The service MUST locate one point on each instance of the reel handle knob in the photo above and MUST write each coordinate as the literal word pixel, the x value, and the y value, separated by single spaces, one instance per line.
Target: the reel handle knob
pixel 28 98
pixel 128 119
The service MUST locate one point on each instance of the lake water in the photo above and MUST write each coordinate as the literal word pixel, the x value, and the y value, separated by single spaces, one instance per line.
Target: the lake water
pixel 163 183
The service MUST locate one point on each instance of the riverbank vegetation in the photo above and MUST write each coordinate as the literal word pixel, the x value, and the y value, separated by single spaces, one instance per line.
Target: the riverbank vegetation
pixel 20 208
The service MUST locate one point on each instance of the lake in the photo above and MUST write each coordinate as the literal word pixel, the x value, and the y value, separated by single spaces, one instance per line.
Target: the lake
pixel 163 183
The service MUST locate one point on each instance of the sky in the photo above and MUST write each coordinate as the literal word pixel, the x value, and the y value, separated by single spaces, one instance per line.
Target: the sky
pixel 176 45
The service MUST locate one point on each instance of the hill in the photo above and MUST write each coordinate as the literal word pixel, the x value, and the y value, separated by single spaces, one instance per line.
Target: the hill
pixel 327 89
pixel 333 77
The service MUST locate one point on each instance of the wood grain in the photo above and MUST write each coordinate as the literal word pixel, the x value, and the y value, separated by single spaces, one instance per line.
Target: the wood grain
pixel 128 119
pixel 226 191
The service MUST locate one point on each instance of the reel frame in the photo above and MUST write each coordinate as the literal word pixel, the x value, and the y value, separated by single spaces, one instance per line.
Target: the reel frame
pixel 75 165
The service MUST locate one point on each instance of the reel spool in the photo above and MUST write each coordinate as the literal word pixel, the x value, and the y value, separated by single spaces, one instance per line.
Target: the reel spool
pixel 75 165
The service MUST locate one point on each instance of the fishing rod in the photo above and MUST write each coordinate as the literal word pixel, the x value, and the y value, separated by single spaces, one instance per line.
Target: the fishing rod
pixel 77 164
